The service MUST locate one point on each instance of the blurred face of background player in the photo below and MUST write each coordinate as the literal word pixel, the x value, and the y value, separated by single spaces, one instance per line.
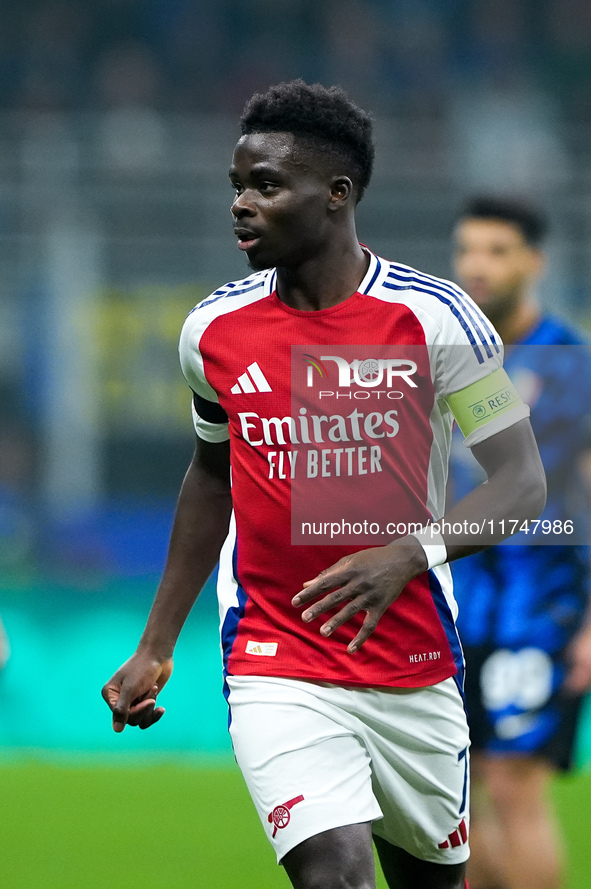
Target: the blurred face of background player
pixel 495 265
pixel 284 202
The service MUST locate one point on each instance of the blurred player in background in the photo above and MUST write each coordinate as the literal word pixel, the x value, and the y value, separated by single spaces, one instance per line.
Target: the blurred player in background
pixel 523 609
pixel 353 725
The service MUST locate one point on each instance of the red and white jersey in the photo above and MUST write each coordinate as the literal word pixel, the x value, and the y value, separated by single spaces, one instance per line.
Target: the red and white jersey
pixel 236 353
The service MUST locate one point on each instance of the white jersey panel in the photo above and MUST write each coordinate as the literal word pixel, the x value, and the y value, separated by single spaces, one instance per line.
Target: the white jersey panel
pixel 227 585
pixel 442 426
pixel 443 574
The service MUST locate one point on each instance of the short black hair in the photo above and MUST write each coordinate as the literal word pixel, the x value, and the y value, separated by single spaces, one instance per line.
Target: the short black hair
pixel 528 218
pixel 323 116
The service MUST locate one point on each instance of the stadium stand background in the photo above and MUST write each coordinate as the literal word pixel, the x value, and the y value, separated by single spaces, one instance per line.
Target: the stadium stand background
pixel 117 122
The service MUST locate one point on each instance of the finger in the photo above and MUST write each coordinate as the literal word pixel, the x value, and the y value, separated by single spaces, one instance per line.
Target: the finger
pixel 120 717
pixel 344 615
pixel 156 715
pixel 150 693
pixel 337 597
pixel 143 704
pixel 312 588
pixel 367 628
pixel 122 705
pixel 111 693
pixel 326 581
pixel 145 713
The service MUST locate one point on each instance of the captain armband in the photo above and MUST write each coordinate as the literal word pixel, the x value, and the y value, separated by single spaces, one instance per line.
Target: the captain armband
pixel 210 420
pixel 487 407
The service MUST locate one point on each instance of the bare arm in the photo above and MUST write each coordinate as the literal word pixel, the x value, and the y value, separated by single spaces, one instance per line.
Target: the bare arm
pixel 200 527
pixel 515 490
pixel 369 581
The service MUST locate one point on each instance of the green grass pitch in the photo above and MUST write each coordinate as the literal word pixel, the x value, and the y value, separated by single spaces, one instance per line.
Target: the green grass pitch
pixel 144 827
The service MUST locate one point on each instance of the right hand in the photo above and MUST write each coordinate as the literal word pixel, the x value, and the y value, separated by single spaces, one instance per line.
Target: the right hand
pixel 132 691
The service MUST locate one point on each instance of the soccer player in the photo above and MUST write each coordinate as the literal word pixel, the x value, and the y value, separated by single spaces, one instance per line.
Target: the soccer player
pixel 342 667
pixel 522 608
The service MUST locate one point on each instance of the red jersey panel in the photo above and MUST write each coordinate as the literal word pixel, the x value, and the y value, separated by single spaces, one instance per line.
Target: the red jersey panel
pixel 241 350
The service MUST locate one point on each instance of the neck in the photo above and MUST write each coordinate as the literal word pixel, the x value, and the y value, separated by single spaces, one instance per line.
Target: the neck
pixel 326 279
pixel 515 324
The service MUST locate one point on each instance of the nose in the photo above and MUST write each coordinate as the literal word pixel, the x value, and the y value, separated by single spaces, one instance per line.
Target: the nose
pixel 241 206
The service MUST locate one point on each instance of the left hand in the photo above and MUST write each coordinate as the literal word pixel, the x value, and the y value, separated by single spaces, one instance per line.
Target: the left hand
pixel 578 680
pixel 371 580
pixel 132 691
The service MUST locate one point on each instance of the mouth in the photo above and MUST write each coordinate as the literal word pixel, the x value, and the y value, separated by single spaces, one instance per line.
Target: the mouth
pixel 246 238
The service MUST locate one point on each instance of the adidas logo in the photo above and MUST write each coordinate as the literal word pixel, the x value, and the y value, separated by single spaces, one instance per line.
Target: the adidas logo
pixel 264 649
pixel 256 382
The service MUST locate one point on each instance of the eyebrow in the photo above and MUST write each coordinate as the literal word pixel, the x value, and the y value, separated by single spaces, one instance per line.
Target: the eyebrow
pixel 261 169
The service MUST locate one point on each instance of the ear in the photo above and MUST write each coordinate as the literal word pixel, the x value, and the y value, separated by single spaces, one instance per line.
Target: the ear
pixel 341 192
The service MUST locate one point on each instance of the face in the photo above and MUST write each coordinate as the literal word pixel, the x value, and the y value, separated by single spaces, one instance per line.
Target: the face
pixel 494 264
pixel 283 203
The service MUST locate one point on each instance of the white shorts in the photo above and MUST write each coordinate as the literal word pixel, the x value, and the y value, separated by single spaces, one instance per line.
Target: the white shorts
pixel 317 756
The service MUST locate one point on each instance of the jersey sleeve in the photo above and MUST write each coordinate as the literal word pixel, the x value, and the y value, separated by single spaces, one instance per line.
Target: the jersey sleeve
pixel 470 379
pixel 209 418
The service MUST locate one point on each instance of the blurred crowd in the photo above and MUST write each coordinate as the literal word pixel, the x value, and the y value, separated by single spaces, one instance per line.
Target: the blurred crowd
pixel 101 94
pixel 208 56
